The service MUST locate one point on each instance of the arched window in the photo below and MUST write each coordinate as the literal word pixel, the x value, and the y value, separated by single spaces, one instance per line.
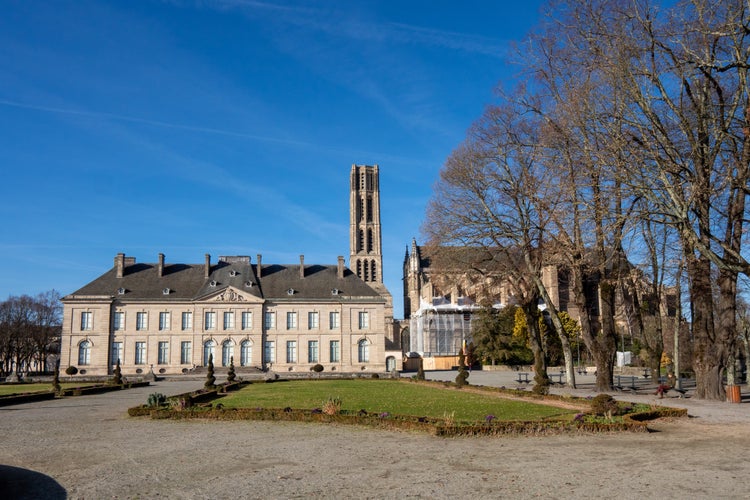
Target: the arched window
pixel 363 351
pixel 209 349
pixel 369 240
pixel 246 353
pixel 366 274
pixel 227 351
pixel 84 353
pixel 373 271
pixel 361 240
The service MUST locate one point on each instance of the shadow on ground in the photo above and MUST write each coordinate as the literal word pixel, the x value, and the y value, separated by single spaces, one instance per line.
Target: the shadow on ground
pixel 23 484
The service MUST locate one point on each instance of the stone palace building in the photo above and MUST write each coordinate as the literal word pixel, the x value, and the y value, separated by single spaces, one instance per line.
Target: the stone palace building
pixel 171 317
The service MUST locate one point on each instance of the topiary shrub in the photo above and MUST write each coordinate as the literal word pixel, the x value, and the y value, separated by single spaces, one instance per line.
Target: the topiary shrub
pixel 463 375
pixel 210 378
pixel 71 370
pixel 317 368
pixel 56 379
pixel 230 374
pixel 117 379
pixel 604 405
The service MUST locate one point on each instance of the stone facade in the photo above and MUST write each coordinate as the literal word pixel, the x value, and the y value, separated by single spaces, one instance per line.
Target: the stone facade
pixel 284 318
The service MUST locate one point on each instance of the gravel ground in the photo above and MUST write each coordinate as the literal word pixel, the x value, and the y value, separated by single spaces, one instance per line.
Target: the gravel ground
pixel 87 447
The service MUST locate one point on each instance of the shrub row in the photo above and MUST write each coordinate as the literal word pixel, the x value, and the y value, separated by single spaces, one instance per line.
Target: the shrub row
pixel 31 397
pixel 98 389
pixel 435 426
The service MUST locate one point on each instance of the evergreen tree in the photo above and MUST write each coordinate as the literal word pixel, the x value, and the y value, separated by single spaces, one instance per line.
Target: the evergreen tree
pixel 210 379
pixel 463 375
pixel 420 370
pixel 118 374
pixel 230 374
pixel 56 379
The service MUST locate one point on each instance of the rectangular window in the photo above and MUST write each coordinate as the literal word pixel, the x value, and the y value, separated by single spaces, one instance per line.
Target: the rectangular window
pixel 164 321
pixel 269 351
pixel 86 321
pixel 312 351
pixel 163 358
pixel 141 321
pixel 140 353
pixel 335 351
pixel 210 322
pixel 228 321
pixel 119 322
pixel 187 320
pixel 270 320
pixel 291 351
pixel 364 320
pixel 117 353
pixel 247 320
pixel 291 320
pixel 185 355
pixel 334 320
pixel 313 321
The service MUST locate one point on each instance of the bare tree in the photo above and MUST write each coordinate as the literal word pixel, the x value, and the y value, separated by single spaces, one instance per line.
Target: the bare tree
pixel 487 197
pixel 29 328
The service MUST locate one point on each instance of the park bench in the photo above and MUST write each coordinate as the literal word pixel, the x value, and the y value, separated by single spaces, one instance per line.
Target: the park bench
pixel 523 378
pixel 558 375
pixel 621 378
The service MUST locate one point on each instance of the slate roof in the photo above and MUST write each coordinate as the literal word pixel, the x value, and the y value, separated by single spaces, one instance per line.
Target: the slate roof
pixel 188 282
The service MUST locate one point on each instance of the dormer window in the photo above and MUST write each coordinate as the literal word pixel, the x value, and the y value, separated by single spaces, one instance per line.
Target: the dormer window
pixel 166 291
pixel 249 284
pixel 212 283
pixel 290 291
pixel 120 291
pixel 233 273
pixel 335 291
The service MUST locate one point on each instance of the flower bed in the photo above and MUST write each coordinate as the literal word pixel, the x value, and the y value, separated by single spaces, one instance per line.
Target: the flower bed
pixel 435 426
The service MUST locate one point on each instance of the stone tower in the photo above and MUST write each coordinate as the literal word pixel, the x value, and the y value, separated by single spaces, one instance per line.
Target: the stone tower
pixel 366 250
pixel 365 244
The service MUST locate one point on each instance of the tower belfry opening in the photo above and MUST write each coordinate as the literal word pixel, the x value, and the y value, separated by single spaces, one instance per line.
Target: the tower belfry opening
pixel 366 249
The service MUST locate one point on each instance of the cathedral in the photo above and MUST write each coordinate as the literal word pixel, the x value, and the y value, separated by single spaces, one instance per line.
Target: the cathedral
pixel 168 318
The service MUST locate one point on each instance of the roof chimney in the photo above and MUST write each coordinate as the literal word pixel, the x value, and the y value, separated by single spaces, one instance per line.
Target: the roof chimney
pixel 120 265
pixel 160 266
pixel 207 270
pixel 258 265
pixel 340 270
pixel 301 266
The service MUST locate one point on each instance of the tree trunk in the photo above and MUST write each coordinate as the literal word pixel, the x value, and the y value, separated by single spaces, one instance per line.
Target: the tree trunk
pixel 707 360
pixel 531 312
pixel 603 353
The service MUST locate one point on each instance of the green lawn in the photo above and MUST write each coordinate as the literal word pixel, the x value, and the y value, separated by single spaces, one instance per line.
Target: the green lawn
pixel 6 389
pixel 394 397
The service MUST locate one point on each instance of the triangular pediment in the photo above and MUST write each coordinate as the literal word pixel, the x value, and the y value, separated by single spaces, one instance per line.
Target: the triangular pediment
pixel 231 294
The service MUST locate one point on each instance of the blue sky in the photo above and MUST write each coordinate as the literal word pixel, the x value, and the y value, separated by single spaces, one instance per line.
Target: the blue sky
pixel 230 127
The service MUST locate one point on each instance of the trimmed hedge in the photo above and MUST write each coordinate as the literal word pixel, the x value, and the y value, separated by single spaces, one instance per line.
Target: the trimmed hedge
pixel 98 389
pixel 434 426
pixel 31 397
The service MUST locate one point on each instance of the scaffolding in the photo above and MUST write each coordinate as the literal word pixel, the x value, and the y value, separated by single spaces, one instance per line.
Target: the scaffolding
pixel 442 328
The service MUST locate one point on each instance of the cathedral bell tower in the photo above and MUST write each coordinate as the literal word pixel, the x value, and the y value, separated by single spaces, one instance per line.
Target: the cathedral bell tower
pixel 366 250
